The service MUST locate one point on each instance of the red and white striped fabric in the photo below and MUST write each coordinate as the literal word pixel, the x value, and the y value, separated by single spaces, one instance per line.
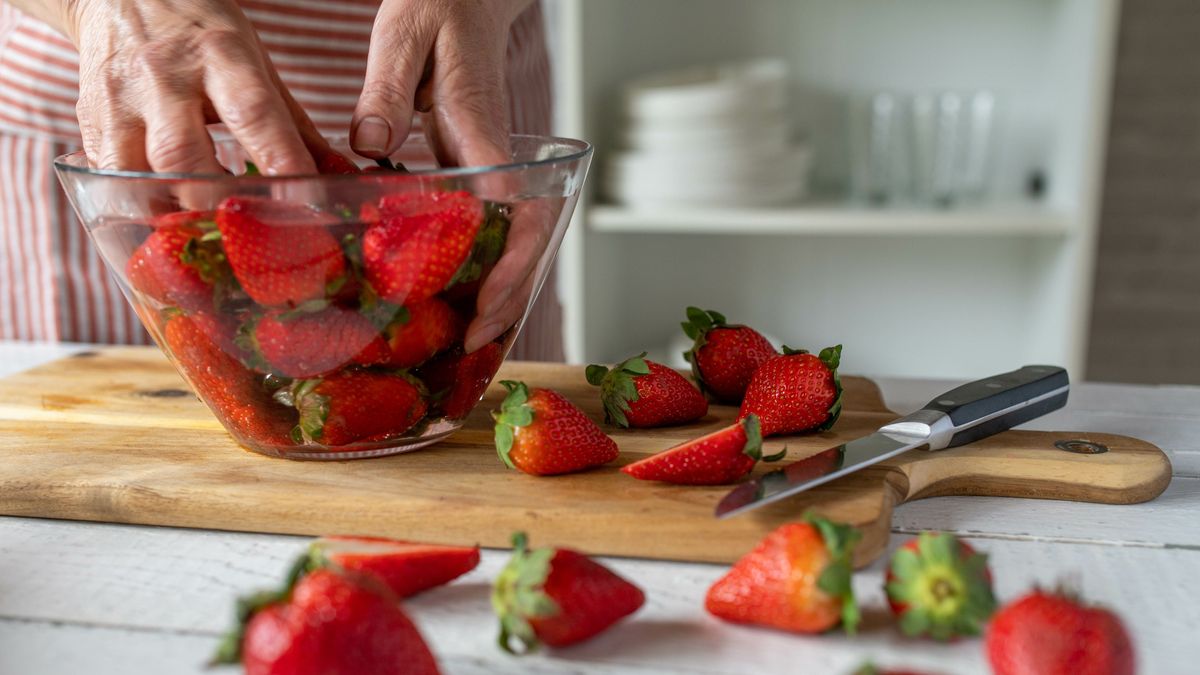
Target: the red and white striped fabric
pixel 53 285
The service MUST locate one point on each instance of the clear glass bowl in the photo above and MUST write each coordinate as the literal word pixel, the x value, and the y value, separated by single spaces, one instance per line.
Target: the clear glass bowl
pixel 323 317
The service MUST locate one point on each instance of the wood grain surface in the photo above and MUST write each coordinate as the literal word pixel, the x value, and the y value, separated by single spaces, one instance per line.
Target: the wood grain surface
pixel 107 436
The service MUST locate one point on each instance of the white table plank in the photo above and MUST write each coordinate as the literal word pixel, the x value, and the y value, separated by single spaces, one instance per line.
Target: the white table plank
pixel 159 579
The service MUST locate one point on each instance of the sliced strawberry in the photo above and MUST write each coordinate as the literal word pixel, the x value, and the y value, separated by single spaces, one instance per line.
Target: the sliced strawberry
pixel 419 243
pixel 304 344
pixel 354 406
pixel 718 458
pixel 406 567
pixel 282 253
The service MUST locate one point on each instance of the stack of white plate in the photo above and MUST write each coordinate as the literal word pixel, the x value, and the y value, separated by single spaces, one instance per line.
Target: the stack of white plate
pixel 715 136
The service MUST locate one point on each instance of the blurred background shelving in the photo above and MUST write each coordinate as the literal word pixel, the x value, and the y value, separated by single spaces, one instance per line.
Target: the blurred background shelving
pixel 911 290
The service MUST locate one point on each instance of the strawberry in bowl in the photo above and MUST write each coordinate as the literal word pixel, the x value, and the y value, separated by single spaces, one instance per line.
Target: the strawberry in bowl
pixel 342 315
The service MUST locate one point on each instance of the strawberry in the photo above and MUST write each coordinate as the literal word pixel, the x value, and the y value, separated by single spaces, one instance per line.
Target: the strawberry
pixel 458 381
pixel 715 459
pixel 406 568
pixel 419 332
pixel 419 243
pixel 558 597
pixel 796 579
pixel 939 586
pixel 1046 633
pixel 543 434
pixel 324 622
pixel 185 219
pixel 354 406
pixel 299 343
pixel 232 391
pixel 282 253
pixel 641 393
pixel 333 162
pixel 724 355
pixel 168 267
pixel 796 392
pixel 485 252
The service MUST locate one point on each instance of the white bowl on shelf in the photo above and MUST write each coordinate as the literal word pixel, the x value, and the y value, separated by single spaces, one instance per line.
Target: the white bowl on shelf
pixel 712 91
pixel 709 179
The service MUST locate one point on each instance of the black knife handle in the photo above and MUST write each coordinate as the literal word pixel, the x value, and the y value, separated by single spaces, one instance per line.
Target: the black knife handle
pixel 994 404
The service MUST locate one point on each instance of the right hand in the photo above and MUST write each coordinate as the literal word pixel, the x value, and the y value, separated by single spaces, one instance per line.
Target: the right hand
pixel 152 73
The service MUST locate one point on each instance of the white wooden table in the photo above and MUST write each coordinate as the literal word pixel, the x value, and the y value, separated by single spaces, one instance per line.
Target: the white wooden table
pixel 99 599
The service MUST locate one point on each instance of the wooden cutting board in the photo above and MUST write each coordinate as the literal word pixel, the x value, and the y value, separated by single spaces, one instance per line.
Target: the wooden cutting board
pixel 114 436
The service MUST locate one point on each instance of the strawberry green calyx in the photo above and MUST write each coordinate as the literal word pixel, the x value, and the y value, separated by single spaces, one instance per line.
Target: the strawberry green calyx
pixel 832 358
pixel 753 448
pixel 699 322
pixel 518 595
pixel 835 578
pixel 489 244
pixel 514 412
pixel 617 386
pixel 944 590
pixel 313 408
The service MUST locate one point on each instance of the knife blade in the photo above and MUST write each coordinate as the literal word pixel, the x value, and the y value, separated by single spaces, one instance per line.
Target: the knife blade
pixel 963 415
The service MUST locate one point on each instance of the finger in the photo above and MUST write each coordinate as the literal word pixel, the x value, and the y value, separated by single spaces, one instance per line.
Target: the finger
pixel 528 238
pixel 400 46
pixel 248 102
pixel 176 139
pixel 469 105
pixel 483 330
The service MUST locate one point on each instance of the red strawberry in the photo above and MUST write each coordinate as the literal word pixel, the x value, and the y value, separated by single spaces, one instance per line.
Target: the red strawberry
pixel 282 253
pixel 558 597
pixel 541 433
pixel 326 623
pixel 485 252
pixel 458 381
pixel 354 406
pixel 796 579
pixel 298 343
pixel 419 243
pixel 163 268
pixel 1051 634
pixel 232 391
pixel 724 355
pixel 641 393
pixel 421 330
pixel 939 586
pixel 405 567
pixel 187 219
pixel 796 392
pixel 333 162
pixel 715 459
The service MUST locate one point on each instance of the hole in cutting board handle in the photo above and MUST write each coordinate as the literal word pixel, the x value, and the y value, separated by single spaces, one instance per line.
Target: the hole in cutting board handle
pixel 1081 447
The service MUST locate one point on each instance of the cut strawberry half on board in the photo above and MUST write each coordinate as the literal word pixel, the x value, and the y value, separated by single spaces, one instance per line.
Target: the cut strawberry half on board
pixel 282 254
pixel 558 597
pixel 419 242
pixel 641 393
pixel 938 586
pixel 796 579
pixel 724 356
pixel 796 392
pixel 407 568
pixel 718 458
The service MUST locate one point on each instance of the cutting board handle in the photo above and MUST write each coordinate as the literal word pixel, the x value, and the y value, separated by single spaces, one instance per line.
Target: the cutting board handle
pixel 1068 465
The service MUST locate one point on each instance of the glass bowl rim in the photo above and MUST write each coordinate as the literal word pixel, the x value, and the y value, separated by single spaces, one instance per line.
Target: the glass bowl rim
pixel 582 149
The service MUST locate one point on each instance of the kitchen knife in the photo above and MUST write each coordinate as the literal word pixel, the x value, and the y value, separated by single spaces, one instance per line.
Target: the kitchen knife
pixel 960 416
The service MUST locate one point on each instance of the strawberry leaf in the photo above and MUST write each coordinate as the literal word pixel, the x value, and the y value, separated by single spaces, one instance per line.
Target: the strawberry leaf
pixel 753 429
pixel 595 374
pixel 519 595
pixel 513 413
pixel 832 358
pixel 835 578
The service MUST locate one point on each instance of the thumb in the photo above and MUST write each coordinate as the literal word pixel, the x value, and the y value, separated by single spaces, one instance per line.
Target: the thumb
pixel 395 64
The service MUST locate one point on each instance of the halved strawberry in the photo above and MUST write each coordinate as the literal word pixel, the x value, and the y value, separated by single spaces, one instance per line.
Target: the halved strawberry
pixel 352 406
pixel 282 253
pixel 419 242
pixel 407 568
pixel 715 459
pixel 641 393
pixel 937 585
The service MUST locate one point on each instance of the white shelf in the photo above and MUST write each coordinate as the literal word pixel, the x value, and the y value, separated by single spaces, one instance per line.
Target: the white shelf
pixel 836 220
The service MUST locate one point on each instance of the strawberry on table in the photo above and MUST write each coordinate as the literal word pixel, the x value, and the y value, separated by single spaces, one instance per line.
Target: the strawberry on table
pixel 301 343
pixel 1044 633
pixel 796 392
pixel 543 434
pixel 282 254
pixel 724 356
pixel 172 268
pixel 352 406
pixel 407 568
pixel 641 393
pixel 419 332
pixel 324 622
pixel 938 586
pixel 796 579
pixel 718 458
pixel 419 242
pixel 558 597
pixel 458 381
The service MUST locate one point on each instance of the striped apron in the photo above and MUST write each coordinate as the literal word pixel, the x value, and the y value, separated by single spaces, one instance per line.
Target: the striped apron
pixel 53 285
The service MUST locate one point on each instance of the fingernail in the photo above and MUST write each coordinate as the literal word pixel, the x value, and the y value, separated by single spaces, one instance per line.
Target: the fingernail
pixel 372 135
pixel 483 336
